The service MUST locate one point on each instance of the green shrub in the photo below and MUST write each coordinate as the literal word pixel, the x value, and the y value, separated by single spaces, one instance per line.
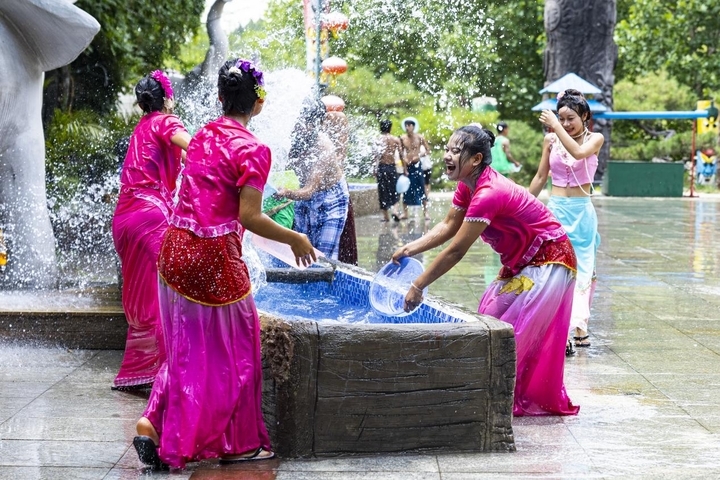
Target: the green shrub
pixel 676 148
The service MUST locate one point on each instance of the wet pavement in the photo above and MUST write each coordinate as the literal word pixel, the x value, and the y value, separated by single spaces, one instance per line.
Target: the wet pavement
pixel 648 387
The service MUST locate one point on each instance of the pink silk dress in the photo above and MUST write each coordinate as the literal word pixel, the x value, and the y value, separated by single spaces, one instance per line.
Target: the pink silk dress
pixel 147 183
pixel 534 289
pixel 206 401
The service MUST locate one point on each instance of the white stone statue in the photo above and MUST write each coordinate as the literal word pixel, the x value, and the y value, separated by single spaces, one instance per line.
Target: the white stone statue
pixel 35 36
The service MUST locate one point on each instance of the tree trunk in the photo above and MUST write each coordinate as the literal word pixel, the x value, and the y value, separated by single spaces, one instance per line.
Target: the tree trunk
pixel 580 41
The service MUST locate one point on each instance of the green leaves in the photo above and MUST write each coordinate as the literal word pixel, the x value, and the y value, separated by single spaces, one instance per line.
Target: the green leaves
pixel 681 37
pixel 136 37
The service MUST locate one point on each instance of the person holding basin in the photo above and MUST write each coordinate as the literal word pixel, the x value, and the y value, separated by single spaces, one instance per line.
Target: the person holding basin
pixel 534 288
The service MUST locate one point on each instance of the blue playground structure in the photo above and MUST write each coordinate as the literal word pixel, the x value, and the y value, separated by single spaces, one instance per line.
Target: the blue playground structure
pixel 705 167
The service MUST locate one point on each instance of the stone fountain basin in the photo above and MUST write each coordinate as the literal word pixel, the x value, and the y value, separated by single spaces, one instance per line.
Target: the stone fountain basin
pixel 442 380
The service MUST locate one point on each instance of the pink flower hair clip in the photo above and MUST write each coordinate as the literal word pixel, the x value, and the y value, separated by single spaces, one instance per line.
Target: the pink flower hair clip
pixel 164 81
pixel 560 95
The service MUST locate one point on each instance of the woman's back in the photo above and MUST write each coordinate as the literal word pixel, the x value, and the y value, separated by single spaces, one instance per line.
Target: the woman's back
pixel 222 157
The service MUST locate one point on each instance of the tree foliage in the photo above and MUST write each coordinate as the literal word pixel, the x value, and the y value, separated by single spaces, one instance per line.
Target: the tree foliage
pixel 278 40
pixel 681 37
pixel 135 37
pixel 450 51
pixel 656 92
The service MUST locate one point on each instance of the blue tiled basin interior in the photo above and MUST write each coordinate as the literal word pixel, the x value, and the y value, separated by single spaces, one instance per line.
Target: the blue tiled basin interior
pixel 345 299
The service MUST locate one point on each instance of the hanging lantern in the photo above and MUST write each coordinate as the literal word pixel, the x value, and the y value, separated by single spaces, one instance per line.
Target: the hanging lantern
pixel 334 66
pixel 335 22
pixel 333 103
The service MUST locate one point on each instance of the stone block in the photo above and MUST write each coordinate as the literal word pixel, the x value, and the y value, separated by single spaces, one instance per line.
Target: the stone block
pixel 384 388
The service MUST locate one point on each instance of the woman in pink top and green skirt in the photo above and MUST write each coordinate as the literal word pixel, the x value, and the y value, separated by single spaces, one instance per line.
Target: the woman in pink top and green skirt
pixel 147 186
pixel 570 156
pixel 206 400
pixel 533 291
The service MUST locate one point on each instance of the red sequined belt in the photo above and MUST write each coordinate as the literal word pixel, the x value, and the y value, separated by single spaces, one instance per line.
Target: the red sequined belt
pixel 551 251
pixel 209 271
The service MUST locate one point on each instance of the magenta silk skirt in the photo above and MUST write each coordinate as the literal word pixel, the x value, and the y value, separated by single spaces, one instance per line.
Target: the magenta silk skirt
pixel 537 302
pixel 206 400
pixel 138 228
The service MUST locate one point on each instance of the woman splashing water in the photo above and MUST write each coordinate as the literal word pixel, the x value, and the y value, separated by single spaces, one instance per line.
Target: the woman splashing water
pixel 533 291
pixel 206 399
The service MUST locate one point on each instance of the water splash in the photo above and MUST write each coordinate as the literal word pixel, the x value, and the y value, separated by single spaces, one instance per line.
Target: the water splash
pixel 83 234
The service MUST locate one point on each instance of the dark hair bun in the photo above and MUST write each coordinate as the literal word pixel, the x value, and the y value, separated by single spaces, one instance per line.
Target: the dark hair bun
pixel 233 81
pixel 491 135
pixel 574 93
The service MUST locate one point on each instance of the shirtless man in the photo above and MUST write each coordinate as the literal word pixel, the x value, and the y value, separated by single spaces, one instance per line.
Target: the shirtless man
pixel 413 145
pixel 384 151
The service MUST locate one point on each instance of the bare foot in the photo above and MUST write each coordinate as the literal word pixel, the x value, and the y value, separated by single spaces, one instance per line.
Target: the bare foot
pixel 145 428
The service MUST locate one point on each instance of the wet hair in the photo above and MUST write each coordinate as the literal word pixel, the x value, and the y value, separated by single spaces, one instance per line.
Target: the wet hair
pixel 303 138
pixel 410 122
pixel 385 126
pixel 474 140
pixel 575 101
pixel 501 126
pixel 236 89
pixel 149 94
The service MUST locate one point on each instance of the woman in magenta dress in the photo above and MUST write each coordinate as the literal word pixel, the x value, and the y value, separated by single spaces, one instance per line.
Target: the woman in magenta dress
pixel 534 289
pixel 206 400
pixel 147 185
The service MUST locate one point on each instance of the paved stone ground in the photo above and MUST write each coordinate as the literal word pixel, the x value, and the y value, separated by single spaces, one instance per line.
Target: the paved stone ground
pixel 649 386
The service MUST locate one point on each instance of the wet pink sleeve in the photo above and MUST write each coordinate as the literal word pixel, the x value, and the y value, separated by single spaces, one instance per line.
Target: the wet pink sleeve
pixel 483 206
pixel 255 167
pixel 462 197
pixel 171 126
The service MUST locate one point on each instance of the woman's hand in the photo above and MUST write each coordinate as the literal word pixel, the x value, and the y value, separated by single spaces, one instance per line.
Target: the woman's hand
pixel 548 118
pixel 303 250
pixel 401 252
pixel 413 298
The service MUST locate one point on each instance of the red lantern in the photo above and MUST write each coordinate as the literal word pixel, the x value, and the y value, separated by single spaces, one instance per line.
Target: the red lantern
pixel 334 66
pixel 335 22
pixel 333 103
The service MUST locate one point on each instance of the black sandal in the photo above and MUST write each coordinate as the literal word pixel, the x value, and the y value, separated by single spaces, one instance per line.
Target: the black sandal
pixel 147 452
pixel 569 350
pixel 254 457
pixel 581 341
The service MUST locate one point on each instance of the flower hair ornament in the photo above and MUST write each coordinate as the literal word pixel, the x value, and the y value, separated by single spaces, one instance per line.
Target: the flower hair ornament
pixel 249 67
pixel 160 77
pixel 560 95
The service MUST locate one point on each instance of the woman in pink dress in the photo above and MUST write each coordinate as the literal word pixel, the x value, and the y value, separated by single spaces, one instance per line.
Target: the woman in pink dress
pixel 147 185
pixel 534 289
pixel 206 400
